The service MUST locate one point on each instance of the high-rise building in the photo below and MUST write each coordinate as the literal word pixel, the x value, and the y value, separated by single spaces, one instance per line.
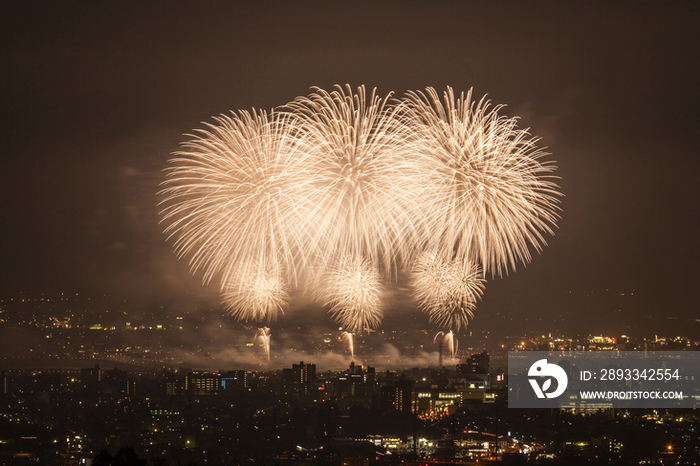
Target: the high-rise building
pixel 404 389
pixel 300 379
pixel 130 387
pixel 354 369
pixel 370 379
pixel 356 380
pixel 172 387
pixel 307 372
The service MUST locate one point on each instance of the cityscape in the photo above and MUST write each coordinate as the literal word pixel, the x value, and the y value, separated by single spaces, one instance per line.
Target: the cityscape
pixel 91 386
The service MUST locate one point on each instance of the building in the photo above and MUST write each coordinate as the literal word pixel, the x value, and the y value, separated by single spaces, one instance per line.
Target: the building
pixel 130 387
pixel 172 387
pixel 300 379
pixel 434 402
pixel 91 376
pixel 398 396
pixel 356 383
pixel 476 363
pixel 234 379
pixel 202 383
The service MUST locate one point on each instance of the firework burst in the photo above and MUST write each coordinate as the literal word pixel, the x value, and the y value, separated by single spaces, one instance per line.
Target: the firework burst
pixel 447 290
pixel 233 205
pixel 351 287
pixel 362 182
pixel 255 295
pixel 492 195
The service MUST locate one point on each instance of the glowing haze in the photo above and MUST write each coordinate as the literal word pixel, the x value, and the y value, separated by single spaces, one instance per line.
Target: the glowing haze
pixel 337 191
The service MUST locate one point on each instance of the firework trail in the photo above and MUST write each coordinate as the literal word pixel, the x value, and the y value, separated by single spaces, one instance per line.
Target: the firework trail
pixel 263 337
pixel 449 340
pixel 492 195
pixel 351 287
pixel 350 339
pixel 447 290
pixel 233 204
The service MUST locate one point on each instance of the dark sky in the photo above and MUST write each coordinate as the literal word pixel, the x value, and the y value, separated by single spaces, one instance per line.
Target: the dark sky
pixel 96 95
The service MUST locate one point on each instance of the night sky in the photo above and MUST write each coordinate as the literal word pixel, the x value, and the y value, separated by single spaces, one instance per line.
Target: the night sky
pixel 96 95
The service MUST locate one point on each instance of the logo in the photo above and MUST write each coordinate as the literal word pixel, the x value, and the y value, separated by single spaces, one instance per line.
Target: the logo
pixel 542 369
